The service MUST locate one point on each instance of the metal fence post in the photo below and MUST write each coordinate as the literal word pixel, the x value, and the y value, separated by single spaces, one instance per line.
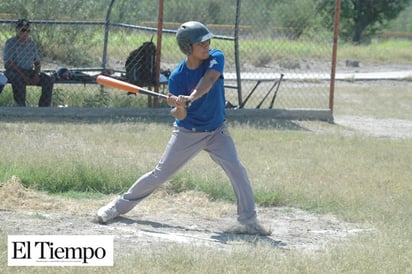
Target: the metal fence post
pixel 334 53
pixel 106 34
pixel 237 59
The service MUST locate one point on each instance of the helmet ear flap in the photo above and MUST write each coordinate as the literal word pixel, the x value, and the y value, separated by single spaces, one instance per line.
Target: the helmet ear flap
pixel 185 46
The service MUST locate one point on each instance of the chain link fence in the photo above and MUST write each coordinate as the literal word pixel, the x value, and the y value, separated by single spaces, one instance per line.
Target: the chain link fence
pixel 282 63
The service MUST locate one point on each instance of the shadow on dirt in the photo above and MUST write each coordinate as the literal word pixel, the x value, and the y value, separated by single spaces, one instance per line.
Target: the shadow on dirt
pixel 225 238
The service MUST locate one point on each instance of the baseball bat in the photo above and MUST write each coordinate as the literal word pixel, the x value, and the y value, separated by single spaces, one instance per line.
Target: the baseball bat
pixel 122 85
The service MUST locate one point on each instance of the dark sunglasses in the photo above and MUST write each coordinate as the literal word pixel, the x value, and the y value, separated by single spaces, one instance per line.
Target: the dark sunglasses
pixel 25 30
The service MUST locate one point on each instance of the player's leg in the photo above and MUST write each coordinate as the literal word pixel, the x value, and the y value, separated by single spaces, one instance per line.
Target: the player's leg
pixel 46 83
pixel 18 87
pixel 181 148
pixel 223 151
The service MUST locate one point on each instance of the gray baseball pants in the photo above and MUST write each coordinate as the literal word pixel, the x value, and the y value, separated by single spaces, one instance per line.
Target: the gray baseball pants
pixel 183 145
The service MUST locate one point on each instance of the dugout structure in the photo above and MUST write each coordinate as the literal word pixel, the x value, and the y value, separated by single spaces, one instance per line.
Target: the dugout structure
pixel 275 67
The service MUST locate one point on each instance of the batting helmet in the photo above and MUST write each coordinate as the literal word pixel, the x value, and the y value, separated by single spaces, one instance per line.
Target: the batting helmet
pixel 190 33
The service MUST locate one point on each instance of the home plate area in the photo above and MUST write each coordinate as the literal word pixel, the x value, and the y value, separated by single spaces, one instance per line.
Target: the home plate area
pixel 292 229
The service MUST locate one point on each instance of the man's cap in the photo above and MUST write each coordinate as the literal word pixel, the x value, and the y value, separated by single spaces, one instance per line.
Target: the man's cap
pixel 22 23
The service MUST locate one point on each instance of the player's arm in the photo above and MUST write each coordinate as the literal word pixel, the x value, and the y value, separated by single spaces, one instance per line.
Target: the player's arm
pixel 204 85
pixel 11 65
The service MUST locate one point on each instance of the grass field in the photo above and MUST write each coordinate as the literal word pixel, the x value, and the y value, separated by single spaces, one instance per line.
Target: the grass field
pixel 315 166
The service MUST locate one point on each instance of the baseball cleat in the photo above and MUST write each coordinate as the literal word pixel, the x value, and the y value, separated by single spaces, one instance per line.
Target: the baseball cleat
pixel 254 228
pixel 106 213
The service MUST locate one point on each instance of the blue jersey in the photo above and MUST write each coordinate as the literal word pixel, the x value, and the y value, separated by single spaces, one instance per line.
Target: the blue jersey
pixel 207 112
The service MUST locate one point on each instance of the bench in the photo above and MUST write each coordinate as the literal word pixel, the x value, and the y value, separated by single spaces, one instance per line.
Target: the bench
pixel 89 75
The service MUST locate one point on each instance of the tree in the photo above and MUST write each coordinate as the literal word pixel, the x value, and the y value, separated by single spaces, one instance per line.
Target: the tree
pixel 361 18
pixel 294 16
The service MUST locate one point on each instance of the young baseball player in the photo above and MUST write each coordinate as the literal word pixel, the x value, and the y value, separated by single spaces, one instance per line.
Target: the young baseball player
pixel 198 79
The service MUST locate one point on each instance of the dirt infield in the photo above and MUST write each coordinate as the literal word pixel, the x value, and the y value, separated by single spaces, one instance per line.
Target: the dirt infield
pixel 162 220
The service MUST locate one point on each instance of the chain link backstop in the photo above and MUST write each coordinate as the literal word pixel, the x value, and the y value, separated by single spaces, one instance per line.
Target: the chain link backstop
pixel 281 63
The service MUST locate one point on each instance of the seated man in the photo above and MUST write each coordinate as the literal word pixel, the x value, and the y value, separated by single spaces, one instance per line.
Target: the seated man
pixel 22 64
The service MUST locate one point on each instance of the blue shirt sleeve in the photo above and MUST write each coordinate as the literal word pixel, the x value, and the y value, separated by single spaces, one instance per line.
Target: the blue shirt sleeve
pixel 217 60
